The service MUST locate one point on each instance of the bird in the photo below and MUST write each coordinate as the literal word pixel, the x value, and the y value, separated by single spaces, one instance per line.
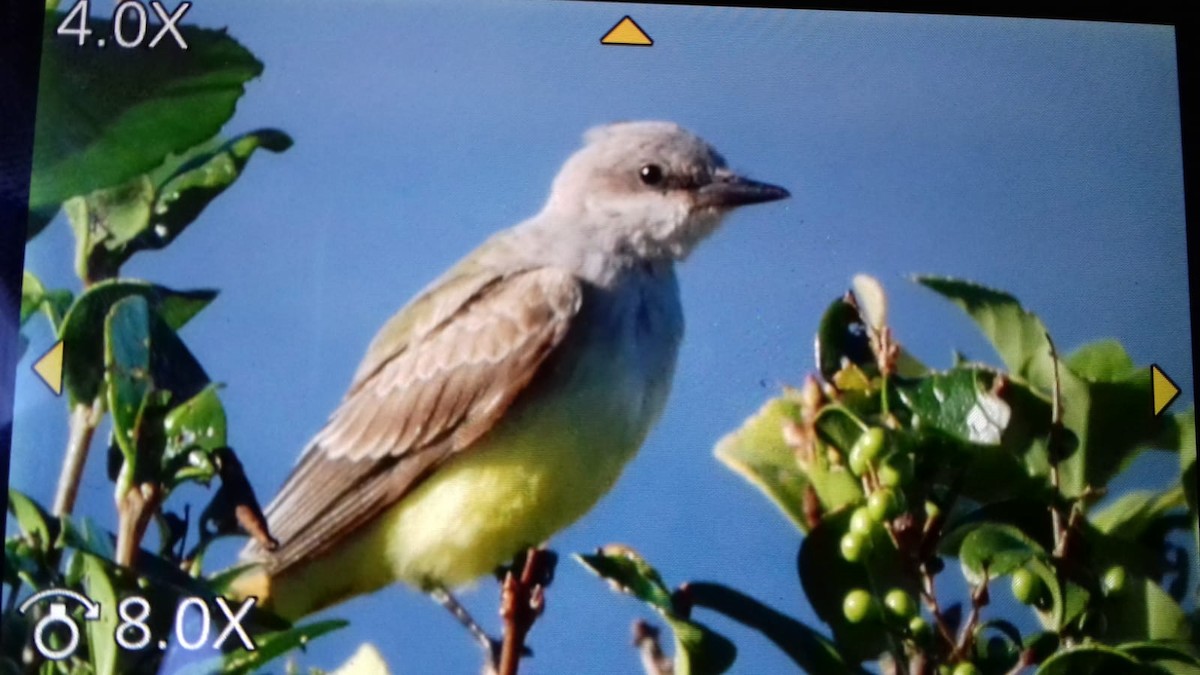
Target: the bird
pixel 503 401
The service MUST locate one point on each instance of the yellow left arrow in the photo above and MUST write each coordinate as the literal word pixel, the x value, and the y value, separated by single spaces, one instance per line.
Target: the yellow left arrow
pixel 50 368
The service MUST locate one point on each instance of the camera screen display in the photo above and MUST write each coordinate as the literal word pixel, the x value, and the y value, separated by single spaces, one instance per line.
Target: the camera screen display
pixel 642 338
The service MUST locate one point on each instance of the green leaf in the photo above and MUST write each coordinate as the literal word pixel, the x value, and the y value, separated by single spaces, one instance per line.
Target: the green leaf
pixel 959 403
pixel 1018 336
pixel 185 192
pixel 1130 515
pixel 1101 361
pixel 757 452
pixel 1144 611
pixel 698 649
pixel 35 523
pixel 83 327
pixel 127 360
pixel 992 550
pixel 807 648
pixel 273 645
pixel 1096 402
pixel 35 297
pixel 99 588
pixel 195 430
pixel 151 210
pixel 1174 658
pixel 32 292
pixel 627 572
pixel 1093 660
pixel 106 116
pixel 842 336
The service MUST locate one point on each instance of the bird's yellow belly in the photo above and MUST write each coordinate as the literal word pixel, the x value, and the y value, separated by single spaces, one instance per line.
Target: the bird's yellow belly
pixel 515 492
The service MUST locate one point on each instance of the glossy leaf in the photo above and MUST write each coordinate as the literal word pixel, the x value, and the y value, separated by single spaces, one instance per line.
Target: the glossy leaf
pixel 194 430
pixel 842 337
pixel 1097 403
pixel 958 402
pixel 83 327
pixel 137 110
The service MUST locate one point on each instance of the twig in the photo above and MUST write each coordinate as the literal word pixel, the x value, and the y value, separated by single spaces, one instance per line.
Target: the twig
pixel 929 595
pixel 979 599
pixel 135 510
pixel 1053 445
pixel 522 600
pixel 645 638
pixel 83 422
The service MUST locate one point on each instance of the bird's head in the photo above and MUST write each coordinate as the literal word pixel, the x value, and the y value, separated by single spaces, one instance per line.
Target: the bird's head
pixel 652 189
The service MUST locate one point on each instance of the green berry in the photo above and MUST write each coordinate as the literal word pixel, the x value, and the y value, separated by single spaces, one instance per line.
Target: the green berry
pixel 871 444
pixel 884 504
pixel 919 629
pixel 860 521
pixel 858 465
pixel 1027 587
pixel 866 450
pixel 853 546
pixel 966 668
pixel 896 470
pixel 858 606
pixel 900 603
pixel 1114 580
pixel 932 510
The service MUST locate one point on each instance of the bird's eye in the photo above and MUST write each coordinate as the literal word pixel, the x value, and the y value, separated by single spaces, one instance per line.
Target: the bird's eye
pixel 652 174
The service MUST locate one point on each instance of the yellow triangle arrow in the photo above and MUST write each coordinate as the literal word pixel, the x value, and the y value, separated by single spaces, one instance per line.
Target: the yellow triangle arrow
pixel 626 32
pixel 50 368
pixel 1165 390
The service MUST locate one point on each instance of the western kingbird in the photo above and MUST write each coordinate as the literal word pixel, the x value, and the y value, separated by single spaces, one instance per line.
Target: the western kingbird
pixel 503 402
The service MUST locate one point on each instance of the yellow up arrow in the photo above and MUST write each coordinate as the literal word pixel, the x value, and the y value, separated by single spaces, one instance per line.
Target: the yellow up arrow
pixel 1165 390
pixel 50 368
pixel 626 32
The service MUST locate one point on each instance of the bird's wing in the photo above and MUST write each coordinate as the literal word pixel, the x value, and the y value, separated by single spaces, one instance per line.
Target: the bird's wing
pixel 435 380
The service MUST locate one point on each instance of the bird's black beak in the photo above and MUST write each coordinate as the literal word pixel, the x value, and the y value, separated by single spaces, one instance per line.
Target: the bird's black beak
pixel 728 190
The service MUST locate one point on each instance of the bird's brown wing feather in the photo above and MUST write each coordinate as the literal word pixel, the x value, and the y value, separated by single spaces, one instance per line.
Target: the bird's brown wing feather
pixel 441 385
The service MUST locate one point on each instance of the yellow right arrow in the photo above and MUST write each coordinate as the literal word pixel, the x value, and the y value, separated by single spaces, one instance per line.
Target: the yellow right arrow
pixel 1165 390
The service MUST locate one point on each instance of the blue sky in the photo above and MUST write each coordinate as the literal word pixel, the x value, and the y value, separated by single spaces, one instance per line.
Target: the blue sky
pixel 1041 157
